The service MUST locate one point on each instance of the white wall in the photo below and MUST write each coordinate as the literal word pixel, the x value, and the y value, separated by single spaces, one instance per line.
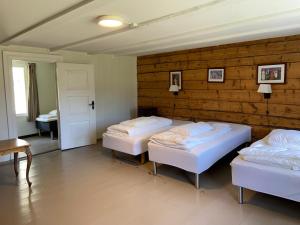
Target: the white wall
pixel 47 89
pixel 25 127
pixel 115 82
pixel 116 89
pixel 3 117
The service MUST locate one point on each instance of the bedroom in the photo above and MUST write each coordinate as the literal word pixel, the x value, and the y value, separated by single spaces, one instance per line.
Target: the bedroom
pixel 205 61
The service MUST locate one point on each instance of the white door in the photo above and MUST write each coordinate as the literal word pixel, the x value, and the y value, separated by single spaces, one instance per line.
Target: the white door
pixel 76 101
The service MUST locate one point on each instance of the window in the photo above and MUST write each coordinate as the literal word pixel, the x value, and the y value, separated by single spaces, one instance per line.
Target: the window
pixel 20 89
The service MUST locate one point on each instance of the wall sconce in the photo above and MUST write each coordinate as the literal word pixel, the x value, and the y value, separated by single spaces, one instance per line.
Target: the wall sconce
pixel 265 89
pixel 174 89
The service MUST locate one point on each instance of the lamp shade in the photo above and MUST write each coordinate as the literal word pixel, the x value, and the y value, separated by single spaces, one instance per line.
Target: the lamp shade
pixel 174 88
pixel 265 88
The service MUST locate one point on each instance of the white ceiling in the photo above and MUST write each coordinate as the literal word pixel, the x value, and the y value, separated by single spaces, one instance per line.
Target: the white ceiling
pixel 163 25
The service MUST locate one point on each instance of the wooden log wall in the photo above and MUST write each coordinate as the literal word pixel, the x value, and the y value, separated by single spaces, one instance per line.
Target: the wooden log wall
pixel 237 99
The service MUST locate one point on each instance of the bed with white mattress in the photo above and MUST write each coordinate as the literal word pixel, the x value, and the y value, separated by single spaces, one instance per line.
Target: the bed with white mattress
pixel 136 144
pixel 202 156
pixel 48 123
pixel 267 179
pixel 270 165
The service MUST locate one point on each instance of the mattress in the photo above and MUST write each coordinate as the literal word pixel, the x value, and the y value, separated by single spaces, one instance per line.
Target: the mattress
pixel 276 181
pixel 204 155
pixel 134 145
pixel 46 119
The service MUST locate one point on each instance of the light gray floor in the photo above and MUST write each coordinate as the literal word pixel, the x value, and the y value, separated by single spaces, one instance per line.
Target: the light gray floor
pixel 86 186
pixel 42 144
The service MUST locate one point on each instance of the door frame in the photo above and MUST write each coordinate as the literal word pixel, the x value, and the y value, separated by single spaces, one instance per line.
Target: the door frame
pixel 8 57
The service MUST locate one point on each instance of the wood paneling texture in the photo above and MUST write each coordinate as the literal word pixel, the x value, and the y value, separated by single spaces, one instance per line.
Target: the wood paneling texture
pixel 237 99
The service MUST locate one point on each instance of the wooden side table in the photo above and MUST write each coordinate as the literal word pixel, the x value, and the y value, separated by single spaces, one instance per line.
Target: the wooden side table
pixel 15 146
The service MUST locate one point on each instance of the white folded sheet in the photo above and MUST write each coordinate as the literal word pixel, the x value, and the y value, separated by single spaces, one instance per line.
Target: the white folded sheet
pixel 131 130
pixel 192 129
pixel 286 163
pixel 179 141
pixel 46 119
pixel 47 116
pixel 272 151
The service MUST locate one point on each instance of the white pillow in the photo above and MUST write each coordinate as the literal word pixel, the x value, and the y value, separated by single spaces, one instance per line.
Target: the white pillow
pixel 284 138
pixel 53 112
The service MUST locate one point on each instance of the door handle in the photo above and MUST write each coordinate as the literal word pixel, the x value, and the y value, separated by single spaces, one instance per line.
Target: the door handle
pixel 92 104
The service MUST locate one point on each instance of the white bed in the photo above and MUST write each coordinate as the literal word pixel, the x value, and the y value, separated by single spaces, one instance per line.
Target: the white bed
pixel 48 123
pixel 134 145
pixel 272 180
pixel 270 165
pixel 202 156
pixel 276 181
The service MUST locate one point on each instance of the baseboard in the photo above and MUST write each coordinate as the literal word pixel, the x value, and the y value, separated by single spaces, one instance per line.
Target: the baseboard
pixel 30 135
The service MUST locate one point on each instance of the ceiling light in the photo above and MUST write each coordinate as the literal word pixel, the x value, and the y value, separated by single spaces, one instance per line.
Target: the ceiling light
pixel 110 21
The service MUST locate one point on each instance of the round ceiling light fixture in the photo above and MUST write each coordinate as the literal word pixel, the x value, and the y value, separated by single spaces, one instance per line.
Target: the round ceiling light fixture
pixel 110 21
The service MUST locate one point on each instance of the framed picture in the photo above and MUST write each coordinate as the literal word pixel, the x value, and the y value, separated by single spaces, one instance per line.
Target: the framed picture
pixel 271 74
pixel 216 75
pixel 175 78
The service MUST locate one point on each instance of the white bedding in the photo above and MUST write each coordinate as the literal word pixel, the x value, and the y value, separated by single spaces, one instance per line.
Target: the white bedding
pixel 279 148
pixel 140 121
pixel 46 119
pixel 204 155
pixel 192 129
pixel 174 139
pixel 139 126
pixel 51 116
pixel 47 116
pixel 272 180
pixel 286 163
pixel 133 145
pixel 130 145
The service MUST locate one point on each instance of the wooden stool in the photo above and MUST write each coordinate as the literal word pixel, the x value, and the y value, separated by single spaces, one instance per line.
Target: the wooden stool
pixel 15 146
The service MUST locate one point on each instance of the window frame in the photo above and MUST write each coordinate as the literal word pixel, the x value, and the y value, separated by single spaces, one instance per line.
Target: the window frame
pixel 24 65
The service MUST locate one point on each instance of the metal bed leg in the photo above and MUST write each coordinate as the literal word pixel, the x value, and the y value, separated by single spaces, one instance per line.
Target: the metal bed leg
pixel 197 180
pixel 241 195
pixel 154 168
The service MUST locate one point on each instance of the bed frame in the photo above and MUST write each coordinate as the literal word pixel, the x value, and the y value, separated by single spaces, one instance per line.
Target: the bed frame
pixel 199 161
pixel 266 179
pixel 135 146
pixel 197 183
pixel 50 126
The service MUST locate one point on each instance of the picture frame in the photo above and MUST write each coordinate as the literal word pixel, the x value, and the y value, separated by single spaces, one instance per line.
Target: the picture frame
pixel 216 75
pixel 271 73
pixel 176 78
